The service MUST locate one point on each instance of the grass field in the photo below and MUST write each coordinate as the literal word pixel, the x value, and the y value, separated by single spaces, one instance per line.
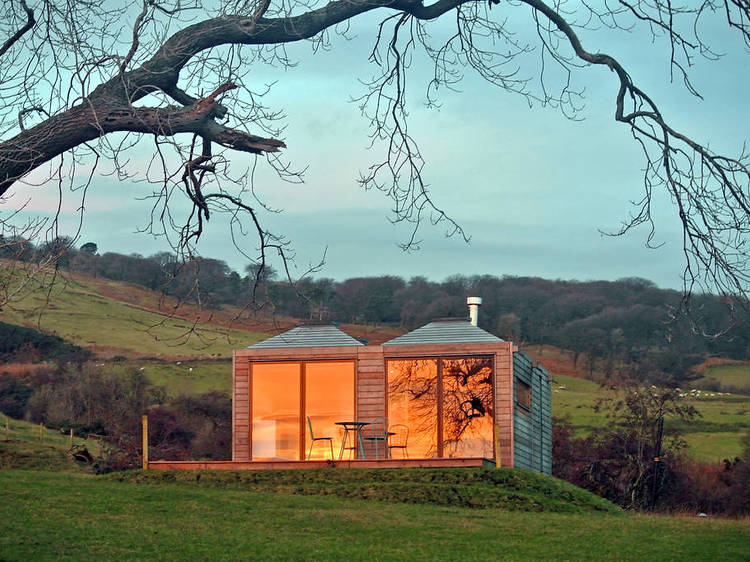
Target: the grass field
pixel 712 437
pixel 26 445
pixel 188 377
pixel 48 516
pixel 75 312
pixel 732 377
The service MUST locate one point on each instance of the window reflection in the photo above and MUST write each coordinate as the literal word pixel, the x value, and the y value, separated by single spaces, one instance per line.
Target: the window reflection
pixel 464 391
pixel 467 407
pixel 276 411
pixel 329 397
pixel 412 401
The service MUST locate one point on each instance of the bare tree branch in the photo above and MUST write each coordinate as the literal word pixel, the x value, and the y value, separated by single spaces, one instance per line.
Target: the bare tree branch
pixel 13 39
pixel 76 96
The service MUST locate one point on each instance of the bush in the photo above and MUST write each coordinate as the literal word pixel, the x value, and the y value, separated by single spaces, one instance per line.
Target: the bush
pixel 27 344
pixel 14 396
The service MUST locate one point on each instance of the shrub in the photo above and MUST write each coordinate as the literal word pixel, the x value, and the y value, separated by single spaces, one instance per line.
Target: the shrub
pixel 14 396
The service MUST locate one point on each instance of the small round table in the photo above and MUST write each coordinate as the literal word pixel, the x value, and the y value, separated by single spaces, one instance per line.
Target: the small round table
pixel 353 426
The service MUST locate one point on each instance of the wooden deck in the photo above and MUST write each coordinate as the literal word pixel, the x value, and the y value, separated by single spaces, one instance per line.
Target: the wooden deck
pixel 288 465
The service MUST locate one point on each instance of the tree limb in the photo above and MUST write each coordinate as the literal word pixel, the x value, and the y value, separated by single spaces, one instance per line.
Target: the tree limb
pixel 30 21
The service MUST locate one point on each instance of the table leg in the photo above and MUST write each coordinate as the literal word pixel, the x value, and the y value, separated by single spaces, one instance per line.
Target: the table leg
pixel 343 444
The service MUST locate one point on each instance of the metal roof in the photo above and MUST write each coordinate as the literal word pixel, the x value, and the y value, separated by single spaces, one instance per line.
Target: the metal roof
pixel 445 331
pixel 309 336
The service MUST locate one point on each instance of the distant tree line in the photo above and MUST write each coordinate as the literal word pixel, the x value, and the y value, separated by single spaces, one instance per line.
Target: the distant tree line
pixel 623 327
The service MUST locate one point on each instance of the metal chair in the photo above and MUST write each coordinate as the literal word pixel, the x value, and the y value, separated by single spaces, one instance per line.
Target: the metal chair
pixel 398 439
pixel 377 433
pixel 313 439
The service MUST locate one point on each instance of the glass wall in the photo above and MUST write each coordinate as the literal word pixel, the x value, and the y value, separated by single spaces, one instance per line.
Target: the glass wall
pixel 276 426
pixel 412 401
pixel 283 395
pixel 447 404
pixel 467 407
pixel 329 397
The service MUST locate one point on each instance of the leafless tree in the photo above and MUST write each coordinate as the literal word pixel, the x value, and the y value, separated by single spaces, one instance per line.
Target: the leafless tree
pixel 83 82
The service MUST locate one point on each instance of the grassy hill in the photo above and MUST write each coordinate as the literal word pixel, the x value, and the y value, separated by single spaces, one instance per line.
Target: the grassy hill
pixel 512 490
pixel 716 435
pixel 712 437
pixel 728 377
pixel 87 312
pixel 50 516
pixel 24 445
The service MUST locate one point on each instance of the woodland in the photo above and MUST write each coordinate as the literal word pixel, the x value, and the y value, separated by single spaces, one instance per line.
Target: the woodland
pixel 628 327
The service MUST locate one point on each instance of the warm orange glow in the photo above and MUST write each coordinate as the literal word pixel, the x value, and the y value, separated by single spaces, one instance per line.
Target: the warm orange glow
pixel 276 411
pixel 329 397
pixel 412 401
pixel 464 393
pixel 277 422
pixel 467 407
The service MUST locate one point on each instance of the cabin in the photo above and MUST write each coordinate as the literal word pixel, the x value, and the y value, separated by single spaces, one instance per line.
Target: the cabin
pixel 448 393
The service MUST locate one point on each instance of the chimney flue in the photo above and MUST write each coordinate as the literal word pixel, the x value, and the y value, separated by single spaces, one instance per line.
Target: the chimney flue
pixel 474 304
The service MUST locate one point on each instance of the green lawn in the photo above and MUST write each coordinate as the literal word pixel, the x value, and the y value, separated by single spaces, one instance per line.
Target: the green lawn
pixel 712 437
pixel 53 516
pixel 76 313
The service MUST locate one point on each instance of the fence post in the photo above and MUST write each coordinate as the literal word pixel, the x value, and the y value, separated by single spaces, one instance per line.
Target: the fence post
pixel 41 433
pixel 70 439
pixel 144 421
pixel 7 429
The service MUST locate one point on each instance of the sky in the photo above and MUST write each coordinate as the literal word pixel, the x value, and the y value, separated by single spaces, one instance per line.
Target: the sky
pixel 532 189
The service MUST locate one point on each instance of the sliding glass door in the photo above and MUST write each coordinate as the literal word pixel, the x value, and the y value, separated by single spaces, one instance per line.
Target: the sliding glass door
pixel 283 395
pixel 275 397
pixel 329 397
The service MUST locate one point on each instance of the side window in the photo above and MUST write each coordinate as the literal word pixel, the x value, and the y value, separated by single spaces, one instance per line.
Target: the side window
pixel 523 395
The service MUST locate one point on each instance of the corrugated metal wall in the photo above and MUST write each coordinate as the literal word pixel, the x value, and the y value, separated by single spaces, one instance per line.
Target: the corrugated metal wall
pixel 532 429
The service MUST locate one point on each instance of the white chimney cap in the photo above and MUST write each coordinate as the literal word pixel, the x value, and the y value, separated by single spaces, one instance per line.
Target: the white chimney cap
pixel 474 303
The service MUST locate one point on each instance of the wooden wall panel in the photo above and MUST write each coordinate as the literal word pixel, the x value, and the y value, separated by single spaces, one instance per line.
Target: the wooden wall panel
pixel 240 409
pixel 504 403
pixel 371 393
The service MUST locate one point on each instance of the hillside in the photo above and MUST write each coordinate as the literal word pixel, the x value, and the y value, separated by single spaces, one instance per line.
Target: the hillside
pixel 714 436
pixel 57 516
pixel 28 446
pixel 187 351
pixel 112 318
pixel 624 327
pixel 90 314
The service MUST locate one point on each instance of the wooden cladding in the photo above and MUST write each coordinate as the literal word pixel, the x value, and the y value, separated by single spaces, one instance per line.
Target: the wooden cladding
pixel 370 384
